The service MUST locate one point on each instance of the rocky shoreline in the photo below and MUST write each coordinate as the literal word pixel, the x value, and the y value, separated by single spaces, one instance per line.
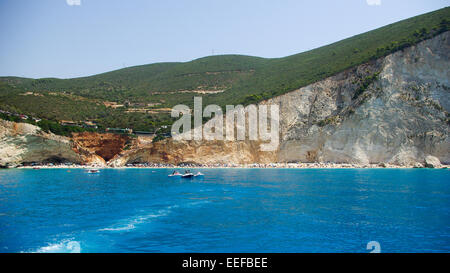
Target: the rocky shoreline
pixel 242 166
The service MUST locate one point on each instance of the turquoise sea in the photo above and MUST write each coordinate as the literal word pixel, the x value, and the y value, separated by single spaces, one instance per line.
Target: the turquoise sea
pixel 229 210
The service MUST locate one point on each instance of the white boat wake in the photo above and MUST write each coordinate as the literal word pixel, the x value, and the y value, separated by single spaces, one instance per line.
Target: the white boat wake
pixel 65 246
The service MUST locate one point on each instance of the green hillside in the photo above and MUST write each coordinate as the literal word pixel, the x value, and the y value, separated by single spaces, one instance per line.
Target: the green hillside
pixel 144 83
pixel 227 79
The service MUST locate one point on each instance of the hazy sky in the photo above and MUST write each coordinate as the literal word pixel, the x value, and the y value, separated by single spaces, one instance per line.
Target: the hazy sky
pixel 72 38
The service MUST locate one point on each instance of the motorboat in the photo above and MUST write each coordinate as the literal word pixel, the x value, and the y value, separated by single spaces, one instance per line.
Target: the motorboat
pixel 187 174
pixel 93 171
pixel 175 173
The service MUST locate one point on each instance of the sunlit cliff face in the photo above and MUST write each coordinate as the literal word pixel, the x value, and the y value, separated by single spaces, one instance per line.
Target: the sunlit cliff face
pixel 104 145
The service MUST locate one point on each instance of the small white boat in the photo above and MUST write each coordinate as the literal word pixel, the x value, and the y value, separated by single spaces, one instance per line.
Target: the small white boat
pixel 199 174
pixel 93 171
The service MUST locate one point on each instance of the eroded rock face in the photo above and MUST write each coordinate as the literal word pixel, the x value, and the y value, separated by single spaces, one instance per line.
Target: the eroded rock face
pixel 432 162
pixel 176 152
pixel 105 145
pixel 400 118
pixel 22 142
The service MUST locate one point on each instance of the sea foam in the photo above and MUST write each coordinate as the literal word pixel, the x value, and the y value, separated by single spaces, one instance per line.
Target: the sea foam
pixel 132 223
pixel 65 246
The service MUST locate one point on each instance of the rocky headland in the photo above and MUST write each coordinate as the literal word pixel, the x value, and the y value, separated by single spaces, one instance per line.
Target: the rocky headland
pixel 393 111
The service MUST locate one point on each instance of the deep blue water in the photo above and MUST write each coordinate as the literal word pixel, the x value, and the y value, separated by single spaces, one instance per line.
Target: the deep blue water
pixel 229 210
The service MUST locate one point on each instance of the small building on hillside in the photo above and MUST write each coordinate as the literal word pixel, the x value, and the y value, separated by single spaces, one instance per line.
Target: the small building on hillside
pixel 90 124
pixel 68 123
pixel 144 133
pixel 119 130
